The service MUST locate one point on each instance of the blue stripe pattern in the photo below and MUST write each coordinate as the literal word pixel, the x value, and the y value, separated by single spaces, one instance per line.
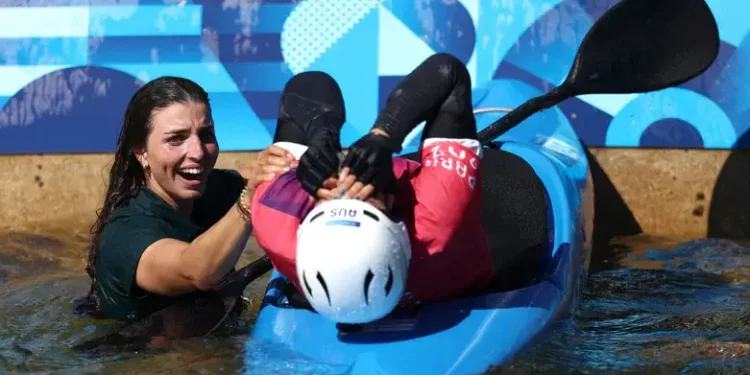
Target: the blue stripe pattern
pixel 248 43
pixel 177 49
pixel 268 18
pixel 259 76
pixel 254 47
pixel 43 51
pixel 265 104
pixel 151 49
pixel 144 20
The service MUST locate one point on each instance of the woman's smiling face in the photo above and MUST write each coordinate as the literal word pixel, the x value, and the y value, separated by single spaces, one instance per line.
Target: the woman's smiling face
pixel 181 150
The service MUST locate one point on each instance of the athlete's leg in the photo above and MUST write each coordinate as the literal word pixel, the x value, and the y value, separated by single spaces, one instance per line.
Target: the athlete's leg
pixel 438 92
pixel 450 253
pixel 311 107
pixel 512 208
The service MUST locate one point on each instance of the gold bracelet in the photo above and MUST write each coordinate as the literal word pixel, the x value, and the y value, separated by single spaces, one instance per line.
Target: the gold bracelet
pixel 242 207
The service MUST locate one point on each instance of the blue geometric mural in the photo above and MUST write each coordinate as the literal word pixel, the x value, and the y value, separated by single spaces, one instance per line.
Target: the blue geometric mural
pixel 68 70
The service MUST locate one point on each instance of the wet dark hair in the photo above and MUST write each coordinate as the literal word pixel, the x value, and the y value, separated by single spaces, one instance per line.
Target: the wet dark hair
pixel 127 175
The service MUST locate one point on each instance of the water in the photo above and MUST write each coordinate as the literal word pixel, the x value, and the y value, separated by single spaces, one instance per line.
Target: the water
pixel 664 310
pixel 657 307
pixel 41 277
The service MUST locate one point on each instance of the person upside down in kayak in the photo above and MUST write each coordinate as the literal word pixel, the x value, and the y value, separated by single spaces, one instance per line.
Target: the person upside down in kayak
pixel 362 233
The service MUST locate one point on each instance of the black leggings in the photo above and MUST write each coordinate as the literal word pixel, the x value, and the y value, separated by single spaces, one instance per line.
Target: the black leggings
pixel 438 92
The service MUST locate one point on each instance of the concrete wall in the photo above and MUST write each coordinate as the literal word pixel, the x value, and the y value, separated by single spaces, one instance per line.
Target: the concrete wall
pixel 686 193
pixel 51 193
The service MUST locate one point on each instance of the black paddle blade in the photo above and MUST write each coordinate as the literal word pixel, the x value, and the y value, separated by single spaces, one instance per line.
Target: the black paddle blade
pixel 636 46
pixel 645 45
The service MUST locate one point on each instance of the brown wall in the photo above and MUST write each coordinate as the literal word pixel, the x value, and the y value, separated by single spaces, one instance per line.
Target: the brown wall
pixel 660 192
pixel 667 191
pixel 51 193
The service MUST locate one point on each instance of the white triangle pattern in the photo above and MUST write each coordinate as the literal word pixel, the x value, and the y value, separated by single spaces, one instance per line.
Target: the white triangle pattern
pixel 316 25
pixel 399 49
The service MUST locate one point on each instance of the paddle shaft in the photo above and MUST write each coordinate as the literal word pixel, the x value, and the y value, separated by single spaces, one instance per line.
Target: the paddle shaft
pixel 234 285
pixel 256 269
pixel 524 111
pixel 236 282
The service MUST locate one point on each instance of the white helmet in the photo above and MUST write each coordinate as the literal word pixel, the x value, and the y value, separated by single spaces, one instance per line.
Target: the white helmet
pixel 352 261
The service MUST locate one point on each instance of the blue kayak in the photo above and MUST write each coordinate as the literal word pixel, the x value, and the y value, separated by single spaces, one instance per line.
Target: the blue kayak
pixel 472 334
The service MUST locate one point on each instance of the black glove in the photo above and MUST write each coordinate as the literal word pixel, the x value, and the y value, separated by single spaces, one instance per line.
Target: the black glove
pixel 370 159
pixel 320 162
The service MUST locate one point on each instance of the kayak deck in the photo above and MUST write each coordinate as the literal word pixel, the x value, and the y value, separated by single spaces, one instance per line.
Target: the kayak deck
pixel 471 334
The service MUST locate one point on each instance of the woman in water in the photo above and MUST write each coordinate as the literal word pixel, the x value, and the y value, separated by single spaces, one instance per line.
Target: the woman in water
pixel 359 234
pixel 171 224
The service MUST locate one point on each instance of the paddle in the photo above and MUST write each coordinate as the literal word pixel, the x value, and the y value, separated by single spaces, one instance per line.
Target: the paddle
pixel 636 46
pixel 196 314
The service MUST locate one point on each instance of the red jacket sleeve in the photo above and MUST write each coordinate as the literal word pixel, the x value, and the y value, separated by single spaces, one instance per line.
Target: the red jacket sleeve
pixel 444 188
pixel 278 207
pixel 450 253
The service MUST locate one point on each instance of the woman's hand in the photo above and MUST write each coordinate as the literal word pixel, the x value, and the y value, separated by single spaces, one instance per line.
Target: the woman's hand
pixel 271 162
pixel 326 192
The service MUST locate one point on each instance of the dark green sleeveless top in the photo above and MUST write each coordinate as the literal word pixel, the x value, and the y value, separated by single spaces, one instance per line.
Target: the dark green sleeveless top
pixel 144 220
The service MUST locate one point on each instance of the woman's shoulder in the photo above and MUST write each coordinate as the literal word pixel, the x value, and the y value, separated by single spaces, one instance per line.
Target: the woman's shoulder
pixel 142 217
pixel 129 226
pixel 145 209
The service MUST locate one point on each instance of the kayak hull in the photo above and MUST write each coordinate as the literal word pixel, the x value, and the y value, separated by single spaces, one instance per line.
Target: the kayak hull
pixel 473 334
